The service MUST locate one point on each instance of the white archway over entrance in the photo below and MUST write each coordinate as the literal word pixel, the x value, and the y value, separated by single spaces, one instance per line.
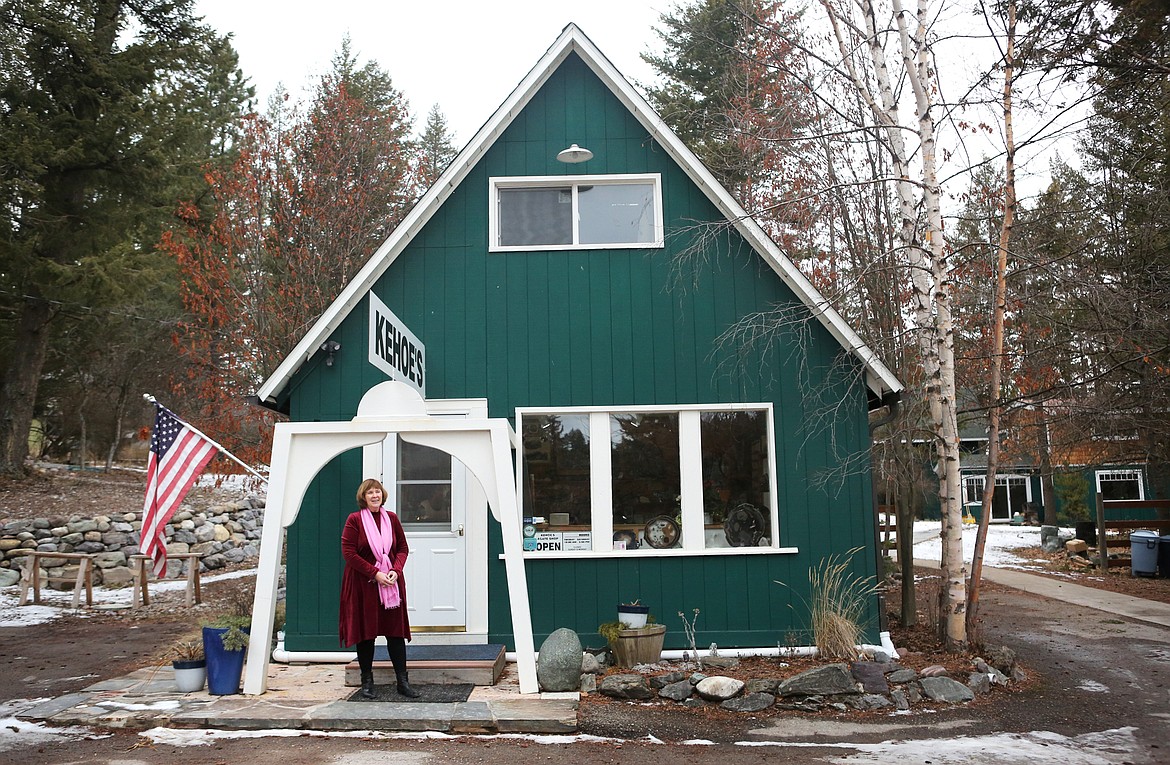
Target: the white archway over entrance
pixel 301 449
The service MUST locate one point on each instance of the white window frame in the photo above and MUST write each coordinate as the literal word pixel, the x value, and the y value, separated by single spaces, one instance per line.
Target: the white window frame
pixel 573 181
pixel 977 481
pixel 1127 474
pixel 691 475
pixel 1001 479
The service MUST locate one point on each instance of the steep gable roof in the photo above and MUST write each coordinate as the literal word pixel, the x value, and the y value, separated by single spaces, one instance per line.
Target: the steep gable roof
pixel 880 380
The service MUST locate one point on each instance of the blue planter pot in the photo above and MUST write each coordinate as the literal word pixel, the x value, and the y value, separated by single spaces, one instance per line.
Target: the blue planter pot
pixel 224 667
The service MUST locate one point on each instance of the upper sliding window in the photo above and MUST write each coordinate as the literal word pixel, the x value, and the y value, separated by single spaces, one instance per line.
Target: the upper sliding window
pixel 576 212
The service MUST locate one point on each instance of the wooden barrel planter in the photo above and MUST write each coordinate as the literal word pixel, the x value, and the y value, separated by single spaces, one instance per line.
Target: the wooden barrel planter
pixel 639 646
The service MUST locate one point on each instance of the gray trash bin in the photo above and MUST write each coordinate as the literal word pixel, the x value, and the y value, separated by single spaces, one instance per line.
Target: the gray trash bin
pixel 1143 548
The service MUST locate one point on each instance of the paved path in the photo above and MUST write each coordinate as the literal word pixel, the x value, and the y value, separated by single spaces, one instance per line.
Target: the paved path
pixel 1149 611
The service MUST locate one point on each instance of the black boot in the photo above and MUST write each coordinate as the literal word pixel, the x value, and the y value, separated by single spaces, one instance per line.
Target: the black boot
pixel 368 686
pixel 404 688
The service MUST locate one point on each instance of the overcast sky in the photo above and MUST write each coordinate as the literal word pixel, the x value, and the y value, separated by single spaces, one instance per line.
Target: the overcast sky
pixel 464 55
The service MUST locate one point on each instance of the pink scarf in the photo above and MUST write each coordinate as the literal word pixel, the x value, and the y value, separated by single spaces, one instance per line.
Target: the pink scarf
pixel 380 541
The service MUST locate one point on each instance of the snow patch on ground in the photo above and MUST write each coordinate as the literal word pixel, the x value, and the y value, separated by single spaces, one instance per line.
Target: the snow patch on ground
pixel 1092 686
pixel 1002 541
pixel 1036 748
pixel 206 737
pixel 20 734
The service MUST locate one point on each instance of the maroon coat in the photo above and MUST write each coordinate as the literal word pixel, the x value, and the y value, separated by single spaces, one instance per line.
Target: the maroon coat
pixel 362 616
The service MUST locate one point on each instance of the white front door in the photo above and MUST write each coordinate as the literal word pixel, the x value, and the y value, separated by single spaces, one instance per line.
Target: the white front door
pixel 429 490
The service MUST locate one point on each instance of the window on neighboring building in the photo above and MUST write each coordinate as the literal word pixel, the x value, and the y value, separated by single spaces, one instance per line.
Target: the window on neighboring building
pixel 579 212
pixel 1120 484
pixel 1011 495
pixel 973 489
pixel 684 478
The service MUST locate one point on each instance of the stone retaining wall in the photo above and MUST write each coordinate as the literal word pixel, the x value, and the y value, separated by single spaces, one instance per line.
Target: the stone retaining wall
pixel 222 534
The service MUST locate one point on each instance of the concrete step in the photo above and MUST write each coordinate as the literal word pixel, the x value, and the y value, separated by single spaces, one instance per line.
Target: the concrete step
pixel 478 664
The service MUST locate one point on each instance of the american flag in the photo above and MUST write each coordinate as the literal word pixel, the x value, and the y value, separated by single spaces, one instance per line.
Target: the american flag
pixel 177 455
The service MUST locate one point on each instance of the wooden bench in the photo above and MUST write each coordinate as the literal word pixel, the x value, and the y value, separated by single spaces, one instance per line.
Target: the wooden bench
pixel 31 576
pixel 141 574
pixel 1104 525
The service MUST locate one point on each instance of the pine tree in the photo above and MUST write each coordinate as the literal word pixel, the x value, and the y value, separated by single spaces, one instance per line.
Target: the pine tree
pixel 435 148
pixel 107 108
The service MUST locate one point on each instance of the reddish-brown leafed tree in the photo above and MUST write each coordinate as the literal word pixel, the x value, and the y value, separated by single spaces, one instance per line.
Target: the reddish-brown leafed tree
pixel 309 198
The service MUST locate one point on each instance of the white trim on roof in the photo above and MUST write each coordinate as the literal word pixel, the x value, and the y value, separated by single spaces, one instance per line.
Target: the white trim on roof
pixel 878 377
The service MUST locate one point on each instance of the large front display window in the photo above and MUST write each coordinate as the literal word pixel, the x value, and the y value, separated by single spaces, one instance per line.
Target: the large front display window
pixel 681 479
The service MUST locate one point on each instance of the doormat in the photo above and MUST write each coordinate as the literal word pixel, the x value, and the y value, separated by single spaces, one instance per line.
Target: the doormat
pixel 429 693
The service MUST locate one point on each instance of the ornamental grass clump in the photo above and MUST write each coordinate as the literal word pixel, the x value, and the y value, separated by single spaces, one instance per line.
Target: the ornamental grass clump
pixel 838 604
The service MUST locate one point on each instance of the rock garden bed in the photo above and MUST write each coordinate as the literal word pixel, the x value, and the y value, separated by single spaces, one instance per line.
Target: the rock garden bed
pixel 912 681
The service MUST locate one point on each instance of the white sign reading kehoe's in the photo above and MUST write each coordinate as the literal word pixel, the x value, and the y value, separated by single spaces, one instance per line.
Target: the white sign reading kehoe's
pixel 394 349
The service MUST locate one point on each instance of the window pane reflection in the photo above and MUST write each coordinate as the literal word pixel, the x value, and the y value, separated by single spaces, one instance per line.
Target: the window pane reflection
pixel 424 486
pixel 536 216
pixel 616 213
pixel 646 480
pixel 556 460
pixel 736 510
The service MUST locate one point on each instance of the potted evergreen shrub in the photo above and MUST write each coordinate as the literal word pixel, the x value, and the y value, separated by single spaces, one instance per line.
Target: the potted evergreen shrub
pixel 224 640
pixel 190 665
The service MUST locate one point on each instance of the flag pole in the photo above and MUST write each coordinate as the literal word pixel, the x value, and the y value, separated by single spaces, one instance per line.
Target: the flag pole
pixel 212 441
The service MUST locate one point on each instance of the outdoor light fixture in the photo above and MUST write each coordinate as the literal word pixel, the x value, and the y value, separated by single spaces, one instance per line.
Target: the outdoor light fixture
pixel 574 154
pixel 330 347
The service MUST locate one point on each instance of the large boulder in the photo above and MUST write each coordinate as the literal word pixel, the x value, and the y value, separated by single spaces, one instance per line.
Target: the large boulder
pixel 558 667
pixel 945 689
pixel 719 688
pixel 871 675
pixel 829 680
pixel 677 691
pixel 630 687
pixel 752 702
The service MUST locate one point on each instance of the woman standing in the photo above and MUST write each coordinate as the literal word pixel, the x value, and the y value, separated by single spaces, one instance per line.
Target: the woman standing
pixel 373 592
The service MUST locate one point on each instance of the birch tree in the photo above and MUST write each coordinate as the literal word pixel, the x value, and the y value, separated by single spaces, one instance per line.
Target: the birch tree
pixel 883 49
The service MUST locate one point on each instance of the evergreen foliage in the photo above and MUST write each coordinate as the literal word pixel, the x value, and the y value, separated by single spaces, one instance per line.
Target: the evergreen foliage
pixel 108 110
pixel 435 148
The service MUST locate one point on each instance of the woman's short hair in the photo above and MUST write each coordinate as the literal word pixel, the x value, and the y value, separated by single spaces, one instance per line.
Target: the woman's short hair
pixel 366 485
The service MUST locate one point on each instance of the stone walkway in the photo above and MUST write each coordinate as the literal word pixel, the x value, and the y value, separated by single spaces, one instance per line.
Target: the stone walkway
pixel 303 697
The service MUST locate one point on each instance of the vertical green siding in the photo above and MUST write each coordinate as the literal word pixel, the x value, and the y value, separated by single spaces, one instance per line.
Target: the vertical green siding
pixel 603 327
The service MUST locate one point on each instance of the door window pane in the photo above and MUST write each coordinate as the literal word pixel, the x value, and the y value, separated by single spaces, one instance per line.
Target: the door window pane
pixel 736 510
pixel 646 482
pixel 536 216
pixel 424 486
pixel 556 462
pixel 616 213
